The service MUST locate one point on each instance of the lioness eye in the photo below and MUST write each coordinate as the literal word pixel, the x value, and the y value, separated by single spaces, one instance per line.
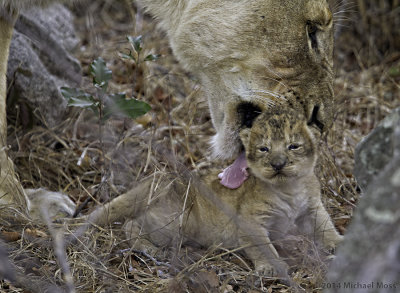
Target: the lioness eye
pixel 293 147
pixel 312 34
pixel 264 149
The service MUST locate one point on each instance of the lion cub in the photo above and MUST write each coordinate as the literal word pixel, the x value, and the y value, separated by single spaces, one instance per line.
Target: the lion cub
pixel 281 198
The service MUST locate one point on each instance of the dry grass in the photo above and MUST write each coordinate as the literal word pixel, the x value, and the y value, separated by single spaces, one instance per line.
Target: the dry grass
pixel 367 87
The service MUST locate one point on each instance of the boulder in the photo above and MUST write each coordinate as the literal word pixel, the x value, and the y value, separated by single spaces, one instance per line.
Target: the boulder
pixel 6 268
pixel 40 61
pixel 369 257
pixel 376 150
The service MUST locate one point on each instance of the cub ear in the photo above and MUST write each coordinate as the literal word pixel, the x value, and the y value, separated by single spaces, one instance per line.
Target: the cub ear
pixel 316 131
pixel 315 117
pixel 245 136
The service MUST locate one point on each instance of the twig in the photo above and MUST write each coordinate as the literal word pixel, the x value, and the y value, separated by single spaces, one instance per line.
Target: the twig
pixel 59 250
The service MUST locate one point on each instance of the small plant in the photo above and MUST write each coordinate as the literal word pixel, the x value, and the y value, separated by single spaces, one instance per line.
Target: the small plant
pixel 103 104
pixel 136 44
pixel 134 54
pixel 106 105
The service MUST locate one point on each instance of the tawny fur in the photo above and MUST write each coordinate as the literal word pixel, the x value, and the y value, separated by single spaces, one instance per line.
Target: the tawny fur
pixel 245 50
pixel 239 50
pixel 166 208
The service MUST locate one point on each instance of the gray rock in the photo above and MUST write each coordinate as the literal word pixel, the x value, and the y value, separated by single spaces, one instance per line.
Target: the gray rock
pixel 40 61
pixel 6 268
pixel 375 151
pixel 369 257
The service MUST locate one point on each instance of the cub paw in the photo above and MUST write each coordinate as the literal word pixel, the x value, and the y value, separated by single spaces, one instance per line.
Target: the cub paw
pixel 56 205
pixel 265 269
pixel 331 242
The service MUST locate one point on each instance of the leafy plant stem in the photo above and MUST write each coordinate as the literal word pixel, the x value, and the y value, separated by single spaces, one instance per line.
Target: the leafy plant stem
pixel 101 136
pixel 106 105
pixel 136 73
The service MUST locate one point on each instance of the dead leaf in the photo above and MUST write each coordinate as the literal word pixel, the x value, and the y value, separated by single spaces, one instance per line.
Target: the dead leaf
pixel 10 236
pixel 35 233
pixel 144 119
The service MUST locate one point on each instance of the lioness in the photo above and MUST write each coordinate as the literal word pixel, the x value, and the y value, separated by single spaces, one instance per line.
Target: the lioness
pixel 281 198
pixel 241 50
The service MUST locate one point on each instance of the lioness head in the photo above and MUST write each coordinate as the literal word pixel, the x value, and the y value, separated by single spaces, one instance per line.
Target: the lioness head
pixel 245 50
pixel 259 49
pixel 279 146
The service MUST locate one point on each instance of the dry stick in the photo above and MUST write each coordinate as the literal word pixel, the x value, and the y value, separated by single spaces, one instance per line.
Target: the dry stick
pixel 86 201
pixel 153 259
pixel 59 250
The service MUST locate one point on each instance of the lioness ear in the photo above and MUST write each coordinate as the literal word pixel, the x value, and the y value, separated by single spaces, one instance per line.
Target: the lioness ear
pixel 245 136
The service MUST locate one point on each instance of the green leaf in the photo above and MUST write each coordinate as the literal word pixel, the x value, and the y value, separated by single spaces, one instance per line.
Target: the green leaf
pixel 152 57
pixel 78 98
pixel 71 92
pixel 127 56
pixel 120 106
pixel 101 74
pixel 86 101
pixel 136 43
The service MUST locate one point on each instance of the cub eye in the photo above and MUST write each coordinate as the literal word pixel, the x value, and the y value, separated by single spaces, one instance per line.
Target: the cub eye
pixel 264 149
pixel 293 147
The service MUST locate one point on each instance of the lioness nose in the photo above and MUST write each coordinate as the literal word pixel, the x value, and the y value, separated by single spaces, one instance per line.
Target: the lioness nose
pixel 278 163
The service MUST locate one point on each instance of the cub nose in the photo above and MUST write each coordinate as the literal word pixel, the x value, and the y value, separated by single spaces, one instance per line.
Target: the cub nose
pixel 278 163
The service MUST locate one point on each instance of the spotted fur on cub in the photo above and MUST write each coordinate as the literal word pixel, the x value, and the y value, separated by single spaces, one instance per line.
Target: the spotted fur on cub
pixel 281 198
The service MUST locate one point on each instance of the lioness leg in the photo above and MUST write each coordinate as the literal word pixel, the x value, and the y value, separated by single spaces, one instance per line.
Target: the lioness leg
pixel 11 191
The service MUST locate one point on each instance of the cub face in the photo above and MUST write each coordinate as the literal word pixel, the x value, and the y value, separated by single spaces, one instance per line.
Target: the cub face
pixel 279 146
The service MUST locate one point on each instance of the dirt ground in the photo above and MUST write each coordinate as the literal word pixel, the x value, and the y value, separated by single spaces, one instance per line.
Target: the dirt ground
pixel 69 157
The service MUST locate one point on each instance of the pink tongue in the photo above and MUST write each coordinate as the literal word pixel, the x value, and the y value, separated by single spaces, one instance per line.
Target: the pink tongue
pixel 234 175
